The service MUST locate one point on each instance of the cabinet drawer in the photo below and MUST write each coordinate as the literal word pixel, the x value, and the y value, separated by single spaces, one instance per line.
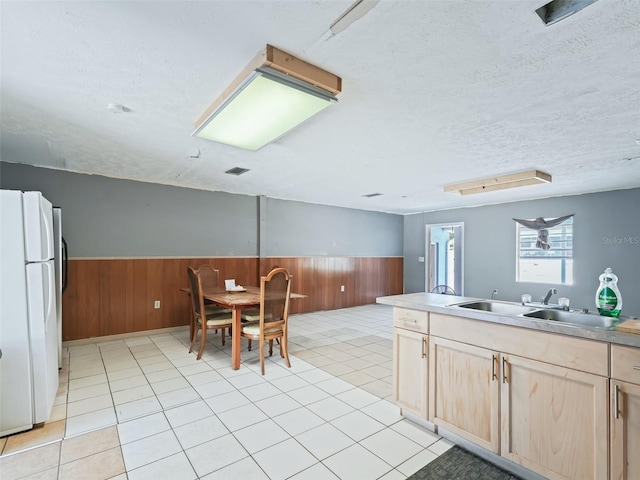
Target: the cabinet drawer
pixel 576 353
pixel 411 319
pixel 625 363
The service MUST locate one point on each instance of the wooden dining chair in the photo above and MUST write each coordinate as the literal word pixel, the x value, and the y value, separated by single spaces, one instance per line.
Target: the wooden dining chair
pixel 210 278
pixel 202 319
pixel 253 314
pixel 275 291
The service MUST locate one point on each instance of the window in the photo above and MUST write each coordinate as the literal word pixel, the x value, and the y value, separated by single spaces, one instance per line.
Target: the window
pixel 554 265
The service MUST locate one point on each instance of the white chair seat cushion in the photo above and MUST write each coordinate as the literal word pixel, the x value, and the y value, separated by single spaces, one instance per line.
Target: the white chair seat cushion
pixel 215 319
pixel 253 328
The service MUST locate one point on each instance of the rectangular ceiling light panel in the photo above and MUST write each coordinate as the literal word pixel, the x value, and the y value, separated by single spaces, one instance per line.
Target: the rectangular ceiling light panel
pixel 262 109
pixel 268 102
pixel 557 10
pixel 500 183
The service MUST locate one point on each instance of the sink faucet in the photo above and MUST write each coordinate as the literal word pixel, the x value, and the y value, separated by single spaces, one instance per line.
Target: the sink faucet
pixel 494 293
pixel 545 300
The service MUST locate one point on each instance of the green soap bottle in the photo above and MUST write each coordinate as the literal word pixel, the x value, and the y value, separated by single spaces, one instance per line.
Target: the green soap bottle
pixel 608 297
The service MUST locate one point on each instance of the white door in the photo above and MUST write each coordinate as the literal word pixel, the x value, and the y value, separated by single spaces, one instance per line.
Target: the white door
pixel 38 227
pixel 43 335
pixel 15 366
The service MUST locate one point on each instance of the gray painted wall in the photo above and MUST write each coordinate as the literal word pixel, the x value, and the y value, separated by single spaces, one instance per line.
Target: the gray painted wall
pixel 106 217
pixel 304 229
pixel 602 222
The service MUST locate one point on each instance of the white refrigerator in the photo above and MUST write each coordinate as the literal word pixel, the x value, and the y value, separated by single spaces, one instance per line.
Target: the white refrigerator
pixel 28 327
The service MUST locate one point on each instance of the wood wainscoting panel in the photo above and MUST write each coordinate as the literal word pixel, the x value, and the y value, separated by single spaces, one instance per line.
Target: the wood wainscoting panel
pixel 377 277
pixel 82 318
pixel 320 278
pixel 114 296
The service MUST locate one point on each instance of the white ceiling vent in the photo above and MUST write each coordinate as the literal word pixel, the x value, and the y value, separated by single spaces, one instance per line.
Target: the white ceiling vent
pixel 557 10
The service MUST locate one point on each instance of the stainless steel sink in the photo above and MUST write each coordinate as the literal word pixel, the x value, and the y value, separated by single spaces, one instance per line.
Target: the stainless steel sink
pixel 574 318
pixel 501 308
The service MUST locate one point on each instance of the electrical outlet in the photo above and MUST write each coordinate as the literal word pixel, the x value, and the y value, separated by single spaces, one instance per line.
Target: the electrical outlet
pixel 342 288
pixel 156 304
pixel 421 259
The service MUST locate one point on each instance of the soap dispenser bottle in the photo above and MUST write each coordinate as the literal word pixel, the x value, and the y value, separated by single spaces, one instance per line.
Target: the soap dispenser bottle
pixel 608 297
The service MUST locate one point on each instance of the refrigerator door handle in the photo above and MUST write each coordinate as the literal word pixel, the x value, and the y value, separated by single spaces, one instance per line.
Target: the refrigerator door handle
pixel 48 238
pixel 65 261
pixel 51 292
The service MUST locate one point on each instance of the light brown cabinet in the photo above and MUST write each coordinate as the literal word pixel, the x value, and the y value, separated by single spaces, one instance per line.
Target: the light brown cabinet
pixel 561 406
pixel 411 360
pixel 509 390
pixel 553 419
pixel 410 357
pixel 625 413
pixel 464 391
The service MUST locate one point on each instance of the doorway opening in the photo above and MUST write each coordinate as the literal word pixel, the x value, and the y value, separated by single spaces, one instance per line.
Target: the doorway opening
pixel 444 252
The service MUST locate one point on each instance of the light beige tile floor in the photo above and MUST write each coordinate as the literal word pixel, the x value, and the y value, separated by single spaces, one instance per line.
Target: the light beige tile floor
pixel 143 407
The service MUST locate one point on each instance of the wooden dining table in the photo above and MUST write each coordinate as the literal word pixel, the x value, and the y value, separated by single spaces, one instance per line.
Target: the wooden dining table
pixel 236 302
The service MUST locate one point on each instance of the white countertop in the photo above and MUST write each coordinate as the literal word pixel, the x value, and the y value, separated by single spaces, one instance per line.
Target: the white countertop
pixel 445 304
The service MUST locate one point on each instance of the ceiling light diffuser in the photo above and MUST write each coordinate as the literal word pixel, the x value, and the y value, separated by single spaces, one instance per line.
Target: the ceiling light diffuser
pixel 267 101
pixel 557 10
pixel 491 184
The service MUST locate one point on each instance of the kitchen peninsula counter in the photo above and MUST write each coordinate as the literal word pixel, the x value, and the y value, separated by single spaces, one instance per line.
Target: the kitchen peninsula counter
pixel 446 305
pixel 540 398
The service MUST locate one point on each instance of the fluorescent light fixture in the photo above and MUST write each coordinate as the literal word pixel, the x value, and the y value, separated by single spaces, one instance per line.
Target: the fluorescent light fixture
pixel 557 10
pixel 275 93
pixel 491 184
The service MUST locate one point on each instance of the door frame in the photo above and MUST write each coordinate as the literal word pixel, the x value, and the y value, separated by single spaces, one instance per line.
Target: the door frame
pixel 430 264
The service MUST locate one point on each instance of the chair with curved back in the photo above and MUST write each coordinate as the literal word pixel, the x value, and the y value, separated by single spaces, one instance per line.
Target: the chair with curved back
pixel 443 289
pixel 202 319
pixel 253 314
pixel 210 278
pixel 275 291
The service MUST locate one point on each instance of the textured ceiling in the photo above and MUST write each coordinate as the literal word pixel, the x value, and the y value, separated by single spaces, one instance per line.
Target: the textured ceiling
pixel 434 92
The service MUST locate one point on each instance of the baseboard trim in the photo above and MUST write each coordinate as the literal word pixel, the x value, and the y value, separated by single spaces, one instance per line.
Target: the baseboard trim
pixel 120 336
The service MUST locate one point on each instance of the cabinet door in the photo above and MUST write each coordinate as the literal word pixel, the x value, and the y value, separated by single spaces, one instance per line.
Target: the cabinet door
pixel 625 431
pixel 410 372
pixel 464 391
pixel 554 420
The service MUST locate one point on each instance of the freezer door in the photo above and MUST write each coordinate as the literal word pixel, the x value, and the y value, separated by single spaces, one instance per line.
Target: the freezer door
pixel 43 335
pixel 38 227
pixel 16 412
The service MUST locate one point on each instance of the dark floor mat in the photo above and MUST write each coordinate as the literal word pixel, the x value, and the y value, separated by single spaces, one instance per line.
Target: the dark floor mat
pixel 459 464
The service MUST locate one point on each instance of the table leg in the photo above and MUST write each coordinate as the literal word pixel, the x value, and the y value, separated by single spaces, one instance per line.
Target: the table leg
pixel 235 339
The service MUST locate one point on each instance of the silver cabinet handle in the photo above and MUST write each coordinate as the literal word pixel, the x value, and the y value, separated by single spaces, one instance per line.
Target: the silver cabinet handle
pixel 424 347
pixel 504 370
pixel 616 400
pixel 636 367
pixel 494 360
